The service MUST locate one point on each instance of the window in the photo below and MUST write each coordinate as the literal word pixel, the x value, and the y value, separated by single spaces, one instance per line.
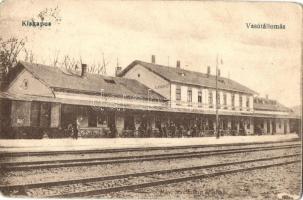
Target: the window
pixel 109 81
pixel 199 98
pixel 189 96
pixel 221 81
pixel 181 73
pixel 233 101
pixel 45 113
pixel 35 114
pixel 178 94
pixel 240 101
pixel 210 98
pixel 224 100
pixel 247 101
pixel 218 99
pixel 248 125
pixel 40 114
pixel 24 84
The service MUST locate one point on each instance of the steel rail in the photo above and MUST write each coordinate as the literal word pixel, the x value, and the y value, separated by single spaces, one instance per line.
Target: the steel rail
pixel 165 181
pixel 139 156
pixel 7 188
pixel 45 153
pixel 14 166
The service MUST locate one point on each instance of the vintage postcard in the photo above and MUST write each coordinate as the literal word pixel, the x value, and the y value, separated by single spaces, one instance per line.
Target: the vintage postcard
pixel 150 99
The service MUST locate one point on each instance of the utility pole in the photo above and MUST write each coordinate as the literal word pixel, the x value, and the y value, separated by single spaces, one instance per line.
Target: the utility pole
pixel 217 114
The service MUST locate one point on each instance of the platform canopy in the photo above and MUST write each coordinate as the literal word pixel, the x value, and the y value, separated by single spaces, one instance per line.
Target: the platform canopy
pixel 82 100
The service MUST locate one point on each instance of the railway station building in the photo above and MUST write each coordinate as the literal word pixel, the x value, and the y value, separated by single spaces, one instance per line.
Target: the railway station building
pixel 241 110
pixel 143 100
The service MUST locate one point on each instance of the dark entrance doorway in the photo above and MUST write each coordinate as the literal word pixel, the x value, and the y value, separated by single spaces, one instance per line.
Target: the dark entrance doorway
pixel 45 115
pixel 268 126
pixel 69 115
pixel 273 123
pixel 112 124
pixel 285 127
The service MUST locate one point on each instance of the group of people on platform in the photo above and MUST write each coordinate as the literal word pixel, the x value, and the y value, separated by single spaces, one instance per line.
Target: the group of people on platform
pixel 163 130
pixel 174 130
pixel 73 130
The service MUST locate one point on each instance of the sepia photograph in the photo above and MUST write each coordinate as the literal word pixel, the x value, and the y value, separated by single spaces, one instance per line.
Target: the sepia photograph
pixel 150 99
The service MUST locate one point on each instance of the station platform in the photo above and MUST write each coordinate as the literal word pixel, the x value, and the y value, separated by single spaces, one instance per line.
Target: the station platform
pixel 69 144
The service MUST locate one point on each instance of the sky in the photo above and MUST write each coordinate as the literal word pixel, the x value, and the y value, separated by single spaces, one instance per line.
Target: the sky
pixel 194 32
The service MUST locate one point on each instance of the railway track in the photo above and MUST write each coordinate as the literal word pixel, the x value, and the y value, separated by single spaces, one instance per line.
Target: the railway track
pixel 15 166
pixel 109 184
pixel 135 149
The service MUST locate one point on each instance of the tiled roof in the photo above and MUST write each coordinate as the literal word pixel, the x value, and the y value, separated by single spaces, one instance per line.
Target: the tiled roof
pixel 269 105
pixel 297 110
pixel 179 75
pixel 59 79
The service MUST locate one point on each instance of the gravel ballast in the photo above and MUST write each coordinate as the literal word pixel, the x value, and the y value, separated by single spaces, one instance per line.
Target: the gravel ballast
pixel 65 173
pixel 269 183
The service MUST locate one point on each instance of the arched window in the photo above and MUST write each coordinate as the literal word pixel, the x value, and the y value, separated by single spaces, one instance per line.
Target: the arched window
pixel 25 84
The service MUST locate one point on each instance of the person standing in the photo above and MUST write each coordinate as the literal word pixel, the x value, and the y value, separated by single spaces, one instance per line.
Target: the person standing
pixel 70 130
pixel 77 128
pixel 194 131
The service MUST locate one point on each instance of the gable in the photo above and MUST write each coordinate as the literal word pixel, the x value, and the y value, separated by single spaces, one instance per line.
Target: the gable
pixel 149 79
pixel 25 83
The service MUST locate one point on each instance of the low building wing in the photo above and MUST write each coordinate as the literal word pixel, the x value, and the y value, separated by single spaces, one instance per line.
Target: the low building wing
pixel 269 105
pixel 63 80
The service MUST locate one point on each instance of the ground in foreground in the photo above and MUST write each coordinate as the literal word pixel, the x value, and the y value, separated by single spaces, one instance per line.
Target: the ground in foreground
pixel 267 183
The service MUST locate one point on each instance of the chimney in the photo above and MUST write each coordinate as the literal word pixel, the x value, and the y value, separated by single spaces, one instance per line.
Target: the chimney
pixel 208 70
pixel 118 70
pixel 178 64
pixel 153 59
pixel 83 70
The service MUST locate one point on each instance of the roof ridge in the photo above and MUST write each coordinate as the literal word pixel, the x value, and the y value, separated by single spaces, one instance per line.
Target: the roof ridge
pixel 191 71
pixel 182 69
pixel 75 75
pixel 54 77
pixel 62 68
pixel 199 74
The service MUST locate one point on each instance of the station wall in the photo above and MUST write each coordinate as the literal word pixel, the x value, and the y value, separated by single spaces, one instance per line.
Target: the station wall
pixel 26 83
pixel 149 79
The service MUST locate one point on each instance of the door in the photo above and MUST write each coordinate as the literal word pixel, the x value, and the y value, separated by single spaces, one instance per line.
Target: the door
pixel 69 115
pixel 45 115
pixel 273 127
pixel 285 127
pixel 35 114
